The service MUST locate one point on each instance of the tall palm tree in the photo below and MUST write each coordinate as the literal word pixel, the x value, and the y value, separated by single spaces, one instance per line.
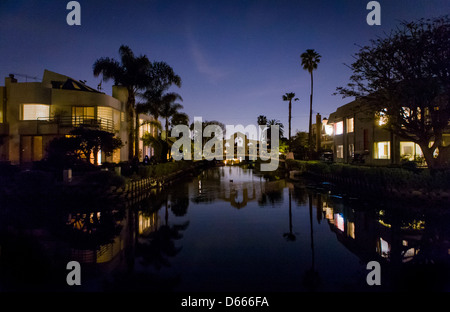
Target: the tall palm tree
pixel 289 97
pixel 132 73
pixel 310 59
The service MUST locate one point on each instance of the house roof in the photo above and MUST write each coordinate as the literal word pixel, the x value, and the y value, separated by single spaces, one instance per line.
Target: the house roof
pixel 58 81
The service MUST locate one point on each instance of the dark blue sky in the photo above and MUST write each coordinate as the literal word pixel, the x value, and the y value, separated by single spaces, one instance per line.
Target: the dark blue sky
pixel 236 58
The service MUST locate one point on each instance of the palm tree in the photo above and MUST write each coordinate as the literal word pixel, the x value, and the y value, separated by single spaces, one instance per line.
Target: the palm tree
pixel 310 59
pixel 262 120
pixel 289 97
pixel 132 73
pixel 275 122
pixel 169 108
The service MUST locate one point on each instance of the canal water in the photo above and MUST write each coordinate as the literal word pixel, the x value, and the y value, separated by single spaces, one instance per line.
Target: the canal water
pixel 228 229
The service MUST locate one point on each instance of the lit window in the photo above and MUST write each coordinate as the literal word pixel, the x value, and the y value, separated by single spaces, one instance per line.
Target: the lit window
pixel 382 118
pixel 410 151
pixel 351 150
pixel 350 125
pixel 339 127
pixel 329 130
pixel 382 150
pixel 340 151
pixel 80 114
pixel 35 111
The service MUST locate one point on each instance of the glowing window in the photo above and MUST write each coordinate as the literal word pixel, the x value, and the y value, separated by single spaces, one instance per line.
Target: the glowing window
pixel 339 127
pixel 35 111
pixel 382 150
pixel 340 151
pixel 350 125
pixel 410 151
pixel 328 130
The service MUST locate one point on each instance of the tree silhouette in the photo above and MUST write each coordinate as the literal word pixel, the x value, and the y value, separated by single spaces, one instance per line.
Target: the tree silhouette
pixel 310 59
pixel 406 77
pixel 132 73
pixel 289 97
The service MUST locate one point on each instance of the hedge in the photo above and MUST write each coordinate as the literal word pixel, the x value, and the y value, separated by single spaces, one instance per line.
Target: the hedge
pixel 384 177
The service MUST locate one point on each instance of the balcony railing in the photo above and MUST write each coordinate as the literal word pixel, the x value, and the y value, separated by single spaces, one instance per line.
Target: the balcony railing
pixel 81 121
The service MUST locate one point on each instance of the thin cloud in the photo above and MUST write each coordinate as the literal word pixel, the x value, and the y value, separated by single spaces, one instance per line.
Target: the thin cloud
pixel 213 73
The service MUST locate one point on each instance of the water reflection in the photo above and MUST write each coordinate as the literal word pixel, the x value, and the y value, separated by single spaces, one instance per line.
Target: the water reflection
pixel 227 229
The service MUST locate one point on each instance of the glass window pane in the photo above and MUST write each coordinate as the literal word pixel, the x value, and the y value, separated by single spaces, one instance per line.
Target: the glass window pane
pixel 35 111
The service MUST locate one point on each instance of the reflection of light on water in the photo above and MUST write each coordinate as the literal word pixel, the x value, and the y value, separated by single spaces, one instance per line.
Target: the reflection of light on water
pixel 339 222
pixel 351 229
pixel 383 248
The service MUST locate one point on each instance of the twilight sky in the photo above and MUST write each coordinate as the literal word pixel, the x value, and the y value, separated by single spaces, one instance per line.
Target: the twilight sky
pixel 236 58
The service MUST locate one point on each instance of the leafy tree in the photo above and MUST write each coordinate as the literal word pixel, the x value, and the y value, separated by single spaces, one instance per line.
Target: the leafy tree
pixel 179 119
pixel 82 141
pixel 94 140
pixel 406 77
pixel 300 145
pixel 310 59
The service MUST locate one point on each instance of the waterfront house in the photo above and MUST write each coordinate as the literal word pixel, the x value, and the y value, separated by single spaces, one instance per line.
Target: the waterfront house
pixel 358 136
pixel 34 113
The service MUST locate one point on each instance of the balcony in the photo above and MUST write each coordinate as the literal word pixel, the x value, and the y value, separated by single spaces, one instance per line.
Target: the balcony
pixel 61 122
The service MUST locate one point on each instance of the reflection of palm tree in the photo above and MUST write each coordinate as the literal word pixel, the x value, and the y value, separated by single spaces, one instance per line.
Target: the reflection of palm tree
pixel 290 237
pixel 160 245
pixel 311 278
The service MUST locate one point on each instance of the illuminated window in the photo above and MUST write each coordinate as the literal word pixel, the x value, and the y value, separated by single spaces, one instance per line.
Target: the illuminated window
pixel 382 150
pixel 351 150
pixel 104 112
pixel 35 111
pixel 80 114
pixel 329 130
pixel 382 118
pixel 340 151
pixel 410 151
pixel 350 125
pixel 116 118
pixel 339 127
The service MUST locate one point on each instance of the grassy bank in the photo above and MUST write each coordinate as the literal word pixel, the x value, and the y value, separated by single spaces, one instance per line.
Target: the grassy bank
pixel 395 181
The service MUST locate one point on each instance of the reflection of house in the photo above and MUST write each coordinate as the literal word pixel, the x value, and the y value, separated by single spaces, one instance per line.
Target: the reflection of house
pixel 244 147
pixel 34 113
pixel 366 234
pixel 357 134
